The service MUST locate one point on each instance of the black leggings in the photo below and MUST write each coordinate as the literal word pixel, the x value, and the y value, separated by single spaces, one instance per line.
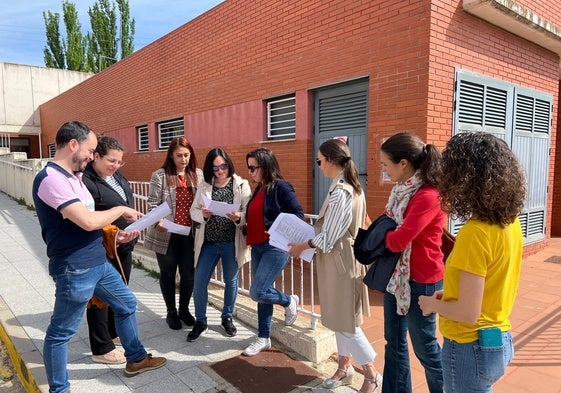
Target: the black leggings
pixel 180 255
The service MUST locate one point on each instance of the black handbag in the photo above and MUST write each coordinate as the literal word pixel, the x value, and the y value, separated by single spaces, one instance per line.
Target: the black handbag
pixel 369 248
pixel 380 272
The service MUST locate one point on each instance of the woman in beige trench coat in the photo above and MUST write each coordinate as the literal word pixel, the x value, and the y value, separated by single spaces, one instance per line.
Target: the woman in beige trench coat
pixel 343 296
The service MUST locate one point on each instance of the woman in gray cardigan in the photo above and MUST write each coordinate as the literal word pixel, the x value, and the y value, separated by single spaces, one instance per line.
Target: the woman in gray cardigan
pixel 175 183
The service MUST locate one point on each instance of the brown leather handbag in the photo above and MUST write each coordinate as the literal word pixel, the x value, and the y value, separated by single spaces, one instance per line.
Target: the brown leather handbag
pixel 110 244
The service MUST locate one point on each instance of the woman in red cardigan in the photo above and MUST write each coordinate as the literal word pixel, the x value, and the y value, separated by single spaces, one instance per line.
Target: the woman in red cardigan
pixel 414 204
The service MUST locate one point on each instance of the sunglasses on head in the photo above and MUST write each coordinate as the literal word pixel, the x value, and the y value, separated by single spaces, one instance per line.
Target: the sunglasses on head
pixel 223 167
pixel 252 168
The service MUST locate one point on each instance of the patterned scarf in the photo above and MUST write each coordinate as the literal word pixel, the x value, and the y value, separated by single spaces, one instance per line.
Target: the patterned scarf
pixel 397 204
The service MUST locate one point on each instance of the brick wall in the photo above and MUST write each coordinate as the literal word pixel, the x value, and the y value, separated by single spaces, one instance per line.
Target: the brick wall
pixel 216 71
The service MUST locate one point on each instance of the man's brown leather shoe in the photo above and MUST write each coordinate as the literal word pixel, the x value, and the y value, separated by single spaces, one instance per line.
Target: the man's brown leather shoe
pixel 146 364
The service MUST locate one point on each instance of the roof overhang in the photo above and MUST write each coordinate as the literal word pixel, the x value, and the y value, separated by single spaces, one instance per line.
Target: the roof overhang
pixel 518 20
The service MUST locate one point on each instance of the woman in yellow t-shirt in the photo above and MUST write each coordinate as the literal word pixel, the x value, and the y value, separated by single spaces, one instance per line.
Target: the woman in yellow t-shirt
pixel 484 184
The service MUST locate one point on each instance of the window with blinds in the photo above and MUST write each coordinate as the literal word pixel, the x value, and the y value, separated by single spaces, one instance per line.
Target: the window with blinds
pixel 51 148
pixel 142 138
pixel 281 118
pixel 168 130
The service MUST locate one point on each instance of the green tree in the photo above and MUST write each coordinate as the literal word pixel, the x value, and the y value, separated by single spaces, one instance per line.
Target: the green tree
pixel 53 52
pixel 74 46
pixel 110 39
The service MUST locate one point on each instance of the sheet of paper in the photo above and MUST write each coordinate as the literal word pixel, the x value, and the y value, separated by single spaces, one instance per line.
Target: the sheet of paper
pixel 220 208
pixel 176 228
pixel 150 218
pixel 289 228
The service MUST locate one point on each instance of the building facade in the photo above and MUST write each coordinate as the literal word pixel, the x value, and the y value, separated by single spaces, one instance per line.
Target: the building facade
pixel 24 88
pixel 288 75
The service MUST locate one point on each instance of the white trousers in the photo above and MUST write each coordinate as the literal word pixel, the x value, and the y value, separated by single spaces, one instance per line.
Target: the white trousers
pixel 355 345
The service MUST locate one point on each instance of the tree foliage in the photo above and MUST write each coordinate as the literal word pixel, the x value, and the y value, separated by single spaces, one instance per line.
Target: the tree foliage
pixel 111 37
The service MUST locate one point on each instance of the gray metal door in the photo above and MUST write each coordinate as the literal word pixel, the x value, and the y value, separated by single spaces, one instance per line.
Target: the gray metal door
pixel 341 111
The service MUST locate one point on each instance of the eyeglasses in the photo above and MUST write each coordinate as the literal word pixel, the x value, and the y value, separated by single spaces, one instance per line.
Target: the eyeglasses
pixel 252 168
pixel 115 162
pixel 222 167
pixel 318 161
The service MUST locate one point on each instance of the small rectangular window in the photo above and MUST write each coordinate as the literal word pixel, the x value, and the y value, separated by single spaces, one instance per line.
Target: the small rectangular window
pixel 52 149
pixel 167 130
pixel 142 133
pixel 281 118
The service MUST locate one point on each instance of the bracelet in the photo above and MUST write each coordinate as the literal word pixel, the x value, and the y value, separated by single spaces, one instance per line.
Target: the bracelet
pixel 311 243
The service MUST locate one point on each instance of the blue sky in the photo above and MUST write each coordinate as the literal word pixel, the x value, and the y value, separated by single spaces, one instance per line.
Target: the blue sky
pixel 22 28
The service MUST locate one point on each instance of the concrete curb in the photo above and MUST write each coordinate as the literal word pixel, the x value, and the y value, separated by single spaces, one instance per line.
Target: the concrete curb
pixel 27 359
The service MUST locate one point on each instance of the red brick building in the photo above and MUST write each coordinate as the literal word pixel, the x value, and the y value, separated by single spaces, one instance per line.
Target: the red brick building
pixel 288 75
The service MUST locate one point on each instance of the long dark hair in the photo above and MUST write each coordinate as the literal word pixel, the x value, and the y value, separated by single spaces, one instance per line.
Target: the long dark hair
pixel 426 158
pixel 337 152
pixel 267 161
pixel 169 164
pixel 208 172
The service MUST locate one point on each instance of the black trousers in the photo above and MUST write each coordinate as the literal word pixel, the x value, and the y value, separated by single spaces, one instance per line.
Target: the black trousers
pixel 101 321
pixel 180 256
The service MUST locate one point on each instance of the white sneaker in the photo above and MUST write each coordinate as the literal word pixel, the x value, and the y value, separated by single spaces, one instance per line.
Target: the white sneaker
pixel 291 311
pixel 261 344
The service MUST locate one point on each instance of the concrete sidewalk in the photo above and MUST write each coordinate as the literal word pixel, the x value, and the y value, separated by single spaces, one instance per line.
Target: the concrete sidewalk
pixel 26 303
pixel 27 297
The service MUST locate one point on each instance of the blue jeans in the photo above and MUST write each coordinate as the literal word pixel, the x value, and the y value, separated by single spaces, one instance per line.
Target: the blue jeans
pixel 74 288
pixel 422 331
pixel 267 262
pixel 471 368
pixel 211 253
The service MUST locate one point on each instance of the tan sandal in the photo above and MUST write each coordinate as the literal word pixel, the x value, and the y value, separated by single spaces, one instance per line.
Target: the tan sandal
pixel 368 382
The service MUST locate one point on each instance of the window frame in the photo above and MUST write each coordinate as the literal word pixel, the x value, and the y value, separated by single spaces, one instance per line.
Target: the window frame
pixel 142 138
pixel 176 127
pixel 278 112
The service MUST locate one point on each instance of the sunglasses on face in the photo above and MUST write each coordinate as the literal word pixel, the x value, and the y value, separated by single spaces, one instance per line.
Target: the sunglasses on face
pixel 252 168
pixel 222 167
pixel 318 161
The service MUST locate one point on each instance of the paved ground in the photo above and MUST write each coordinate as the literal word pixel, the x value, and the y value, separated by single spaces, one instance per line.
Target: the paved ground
pixel 26 301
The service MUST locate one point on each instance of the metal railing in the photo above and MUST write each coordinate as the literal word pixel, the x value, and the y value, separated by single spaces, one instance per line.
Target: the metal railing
pixel 298 277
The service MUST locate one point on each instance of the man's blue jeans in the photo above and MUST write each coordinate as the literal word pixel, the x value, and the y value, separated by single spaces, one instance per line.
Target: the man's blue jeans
pixel 267 262
pixel 472 368
pixel 422 331
pixel 74 288
pixel 211 253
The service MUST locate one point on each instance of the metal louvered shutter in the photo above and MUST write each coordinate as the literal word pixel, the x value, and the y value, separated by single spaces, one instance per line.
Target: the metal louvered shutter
pixel 520 116
pixel 341 111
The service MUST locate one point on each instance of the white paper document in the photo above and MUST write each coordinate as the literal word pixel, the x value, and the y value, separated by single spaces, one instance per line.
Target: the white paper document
pixel 220 208
pixel 289 228
pixel 150 218
pixel 176 228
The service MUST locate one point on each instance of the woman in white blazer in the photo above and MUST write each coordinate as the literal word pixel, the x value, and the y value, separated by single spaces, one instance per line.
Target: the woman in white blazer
pixel 218 238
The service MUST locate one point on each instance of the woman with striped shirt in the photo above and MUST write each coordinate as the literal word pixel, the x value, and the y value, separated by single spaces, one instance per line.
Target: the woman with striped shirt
pixel 343 296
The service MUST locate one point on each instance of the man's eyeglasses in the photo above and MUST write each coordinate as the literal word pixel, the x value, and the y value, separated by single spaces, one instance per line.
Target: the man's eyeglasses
pixel 318 161
pixel 252 168
pixel 222 167
pixel 115 162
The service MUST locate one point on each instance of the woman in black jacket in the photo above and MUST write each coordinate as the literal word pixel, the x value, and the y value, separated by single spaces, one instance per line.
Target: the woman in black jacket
pixel 109 188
